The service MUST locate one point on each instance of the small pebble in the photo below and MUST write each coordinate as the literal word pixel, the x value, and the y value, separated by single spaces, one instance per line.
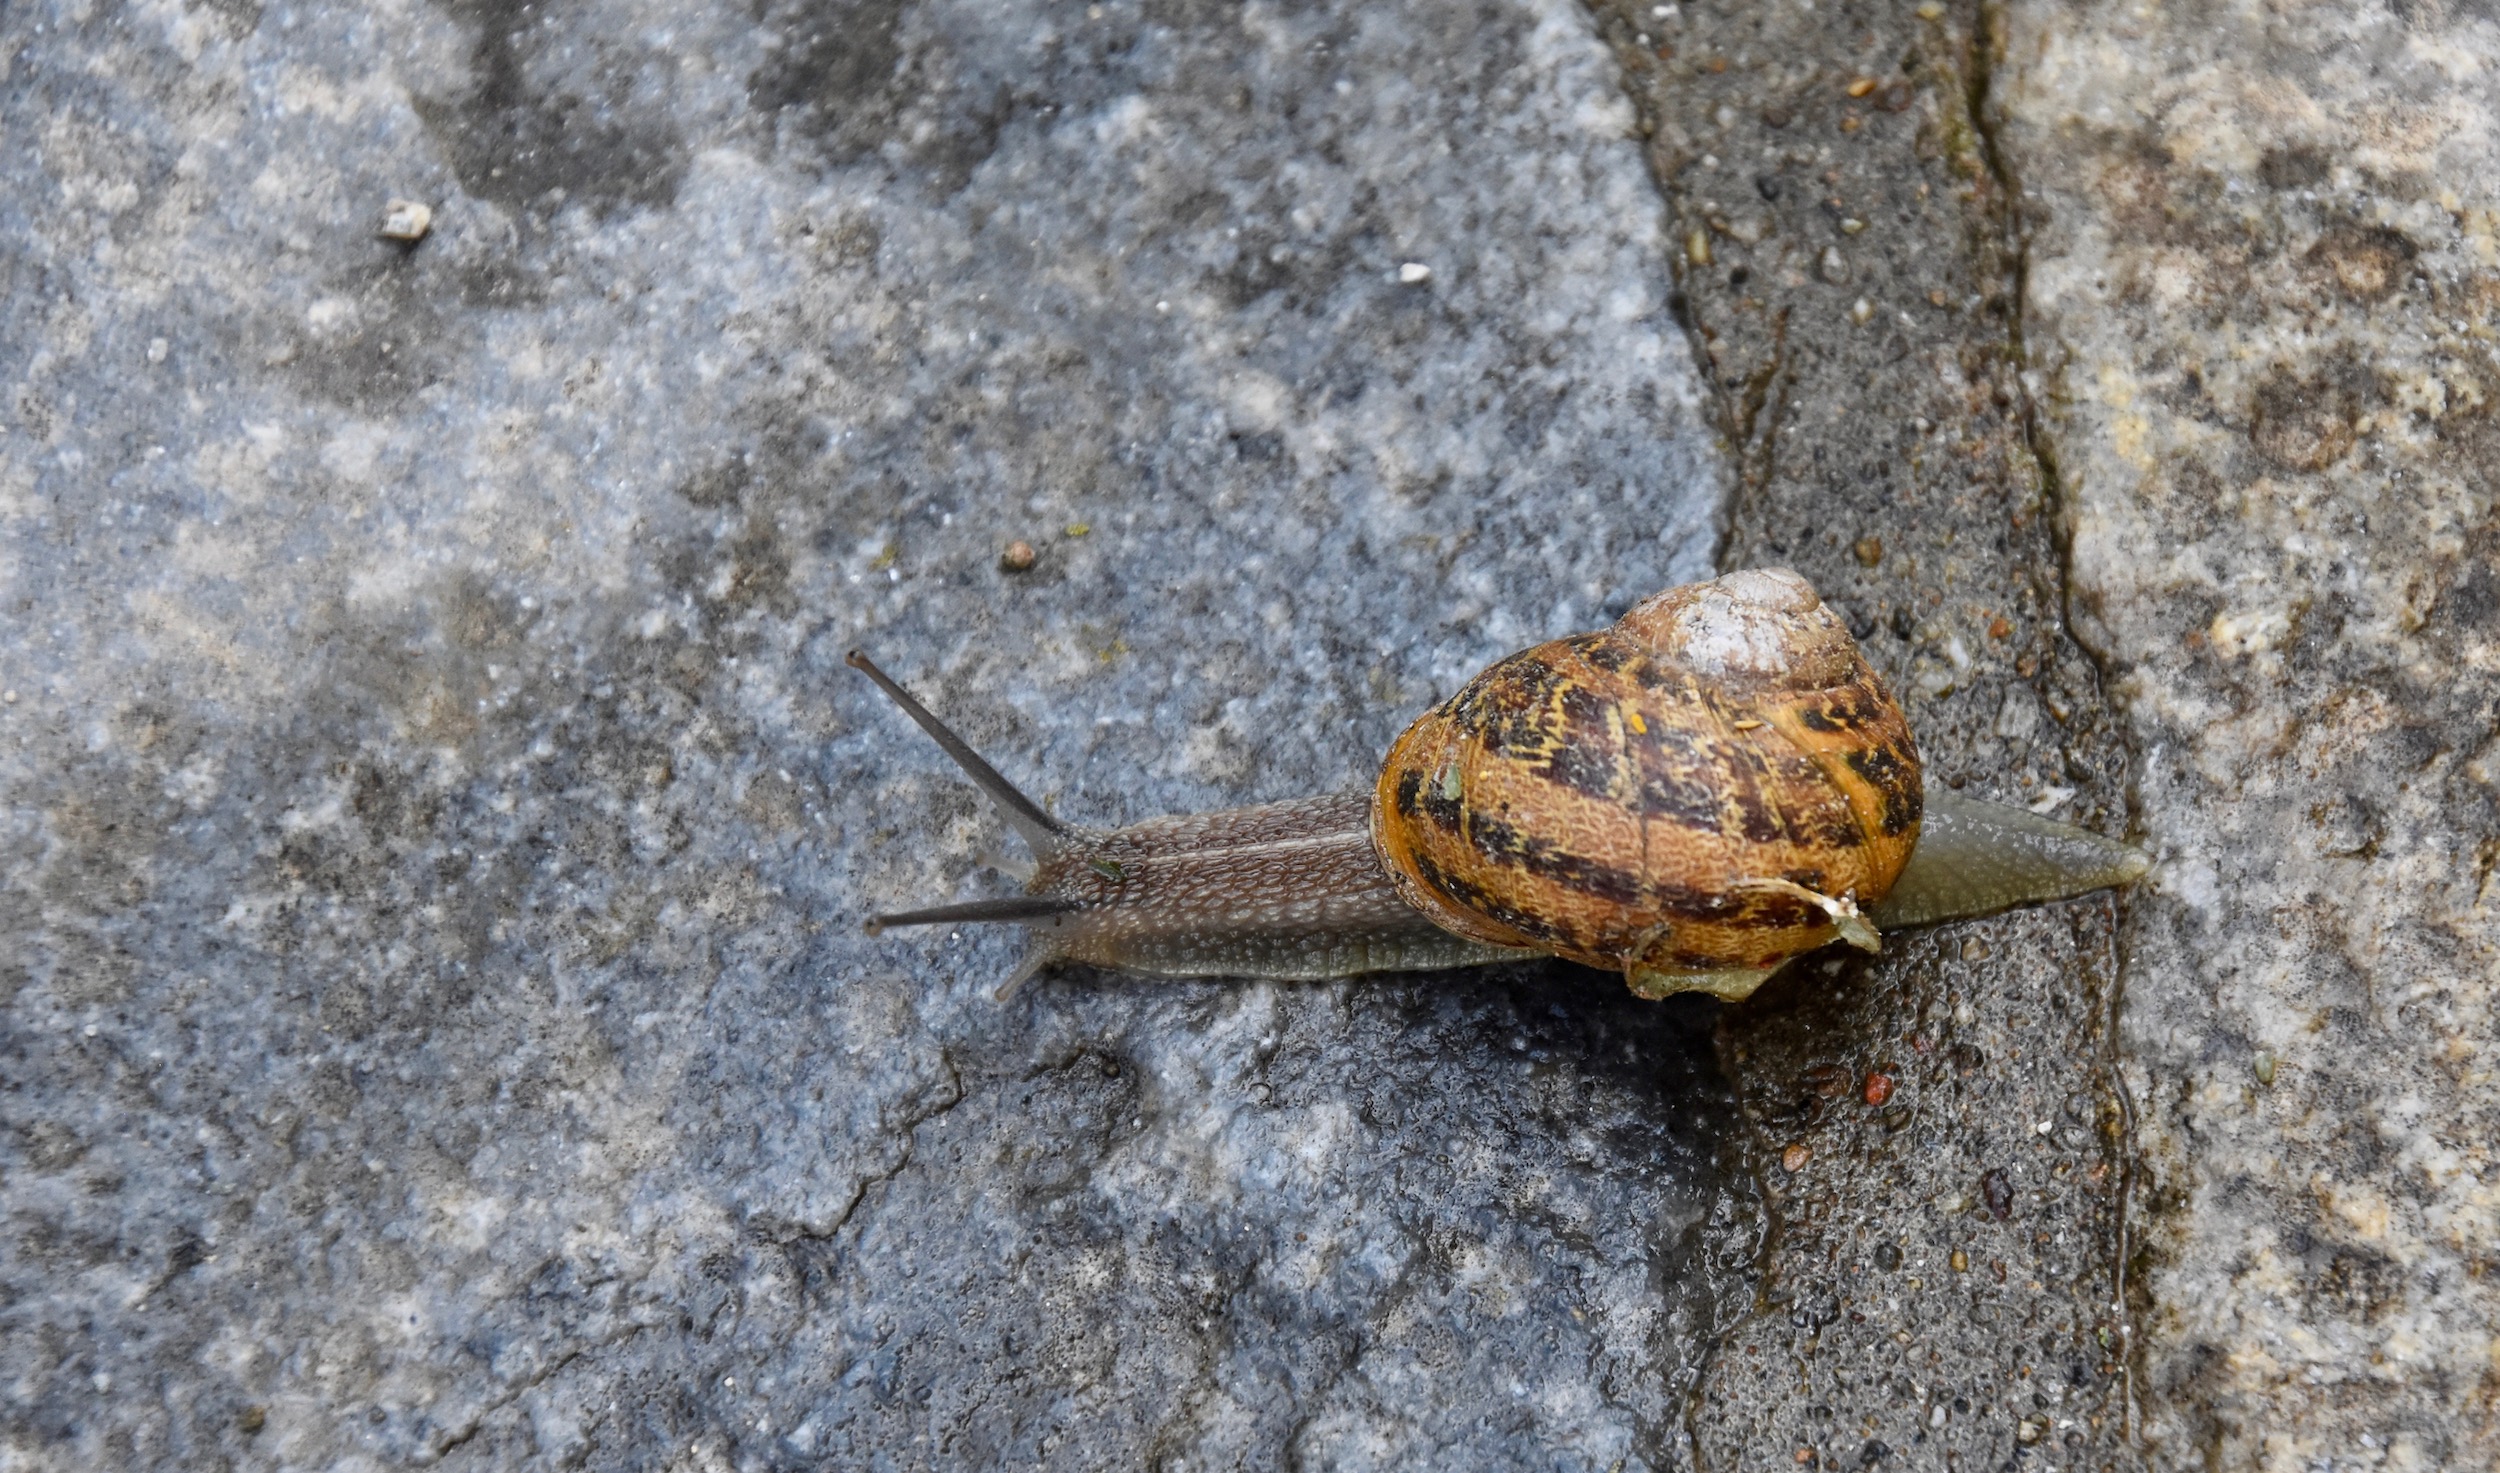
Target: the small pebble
pixel 1878 1088
pixel 1975 949
pixel 1852 225
pixel 406 221
pixel 2264 1065
pixel 1414 273
pixel 1861 86
pixel 1862 313
pixel 157 348
pixel 1997 1192
pixel 1018 558
pixel 1833 267
pixel 1697 246
pixel 1888 1256
pixel 1961 1261
pixel 1794 1159
pixel 2027 1432
pixel 1079 529
pixel 1870 550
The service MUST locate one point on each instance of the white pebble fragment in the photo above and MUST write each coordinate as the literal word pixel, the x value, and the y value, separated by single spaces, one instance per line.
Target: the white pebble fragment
pixel 1414 273
pixel 406 220
pixel 1863 312
pixel 156 350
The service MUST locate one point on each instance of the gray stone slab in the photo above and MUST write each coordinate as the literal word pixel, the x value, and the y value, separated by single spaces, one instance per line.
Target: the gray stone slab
pixel 2263 299
pixel 437 1027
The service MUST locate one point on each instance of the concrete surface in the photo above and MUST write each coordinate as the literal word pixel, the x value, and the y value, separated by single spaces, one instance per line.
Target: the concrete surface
pixel 2263 300
pixel 436 1028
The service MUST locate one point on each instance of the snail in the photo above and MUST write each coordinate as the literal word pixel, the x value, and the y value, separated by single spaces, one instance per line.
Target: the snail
pixel 1710 787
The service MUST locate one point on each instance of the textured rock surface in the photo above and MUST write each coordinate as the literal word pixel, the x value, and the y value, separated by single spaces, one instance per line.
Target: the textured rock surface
pixel 1939 1130
pixel 436 1025
pixel 2264 293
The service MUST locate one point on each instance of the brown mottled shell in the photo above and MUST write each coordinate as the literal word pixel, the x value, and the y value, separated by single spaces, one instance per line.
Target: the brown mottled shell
pixel 1633 798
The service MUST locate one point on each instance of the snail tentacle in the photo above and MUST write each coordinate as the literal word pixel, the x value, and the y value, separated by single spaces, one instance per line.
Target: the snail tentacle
pixel 1045 834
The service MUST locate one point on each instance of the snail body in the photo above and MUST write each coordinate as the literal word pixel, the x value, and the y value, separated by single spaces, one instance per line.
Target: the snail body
pixel 1713 785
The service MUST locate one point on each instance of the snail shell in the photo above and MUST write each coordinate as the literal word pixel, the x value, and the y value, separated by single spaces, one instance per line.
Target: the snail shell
pixel 1712 785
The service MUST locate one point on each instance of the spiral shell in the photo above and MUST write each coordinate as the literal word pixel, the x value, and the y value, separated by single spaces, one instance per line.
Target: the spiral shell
pixel 1709 787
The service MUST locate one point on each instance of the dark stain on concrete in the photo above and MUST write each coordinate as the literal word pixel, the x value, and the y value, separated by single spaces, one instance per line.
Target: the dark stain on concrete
pixel 1938 1272
pixel 534 143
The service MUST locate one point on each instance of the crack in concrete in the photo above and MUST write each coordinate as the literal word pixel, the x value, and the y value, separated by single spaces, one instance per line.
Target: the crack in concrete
pixel 467 1431
pixel 783 1233
pixel 1986 53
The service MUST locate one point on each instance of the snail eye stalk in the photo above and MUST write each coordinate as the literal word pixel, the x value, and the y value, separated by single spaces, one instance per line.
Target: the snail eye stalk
pixel 1045 834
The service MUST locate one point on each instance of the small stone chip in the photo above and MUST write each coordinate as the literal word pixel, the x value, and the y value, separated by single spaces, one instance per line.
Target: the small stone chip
pixel 1861 86
pixel 1869 550
pixel 1018 558
pixel 2263 1066
pixel 1697 246
pixel 1414 273
pixel 1878 1088
pixel 1794 1159
pixel 406 220
pixel 1961 1261
pixel 1862 312
pixel 1833 267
